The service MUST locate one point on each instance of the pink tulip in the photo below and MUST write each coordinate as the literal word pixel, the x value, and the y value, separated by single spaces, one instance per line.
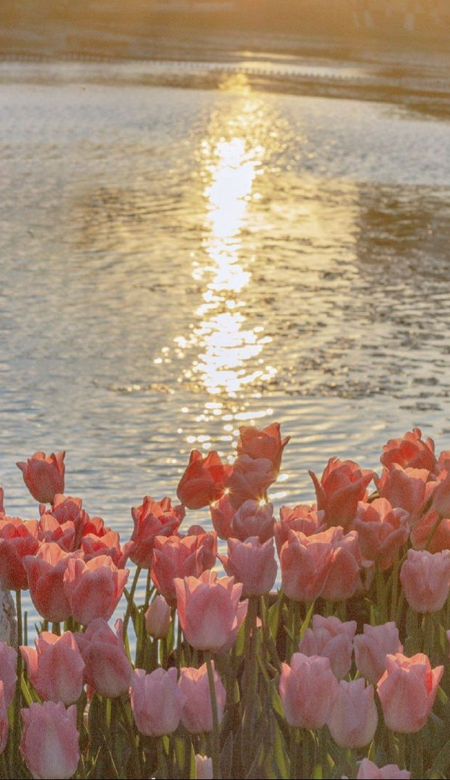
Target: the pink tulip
pixel 407 691
pixel 304 518
pixel 222 514
pixel 8 676
pixel 45 573
pixel 409 452
pixel 156 702
pixel 264 443
pixel 152 519
pixel 369 771
pixel 344 575
pixel 329 638
pixel 342 485
pixel 50 740
pixel 441 495
pixel 209 610
pixel 4 720
pixel 253 519
pixel 44 476
pixel 382 531
pixel 18 538
pixel 64 535
pixel 408 489
pixel 158 618
pixel 308 690
pixel 55 668
pixel 65 509
pixel 305 565
pixel 176 556
pixel 108 668
pixel 196 716
pixel 372 647
pixel 204 480
pixel 203 768
pixel 426 534
pixel 250 480
pixel 108 544
pixel 93 589
pixel 354 717
pixel 251 563
pixel 425 579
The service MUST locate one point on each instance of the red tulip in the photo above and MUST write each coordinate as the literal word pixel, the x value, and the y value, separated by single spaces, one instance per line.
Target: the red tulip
pixel 56 667
pixel 50 740
pixel 44 477
pixel 441 496
pixel 65 509
pixel 18 538
pixel 204 480
pixel 264 443
pixel 45 574
pixel 108 669
pixel 308 690
pixel 152 519
pixel 407 692
pixel 342 486
pixel 196 715
pixel 176 556
pixel 251 563
pixel 156 701
pixel 409 452
pixel 93 589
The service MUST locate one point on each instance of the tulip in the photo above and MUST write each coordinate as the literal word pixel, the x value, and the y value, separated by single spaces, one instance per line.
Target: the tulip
pixel 93 589
pixel 65 509
pixel 332 639
pixel 308 691
pixel 407 691
pixel 409 452
pixel 108 544
pixel 408 489
pixel 250 480
pixel 158 618
pixel 430 534
pixel 108 669
pixel 197 715
pixel 251 563
pixel 222 514
pixel 64 535
pixel 354 718
pixel 8 676
pixel 209 610
pixel 304 518
pixel 2 496
pixel 4 720
pixel 55 668
pixel 425 579
pixel 372 647
pixel 344 575
pixel 342 485
pixel 305 565
pixel 156 701
pixel 203 768
pixel 177 556
pixel 264 443
pixel 18 538
pixel 204 480
pixel 152 519
pixel 45 573
pixel 382 531
pixel 50 740
pixel 369 771
pixel 44 476
pixel 252 519
pixel 441 496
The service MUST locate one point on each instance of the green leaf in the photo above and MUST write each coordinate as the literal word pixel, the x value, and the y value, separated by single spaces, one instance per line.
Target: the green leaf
pixel 226 757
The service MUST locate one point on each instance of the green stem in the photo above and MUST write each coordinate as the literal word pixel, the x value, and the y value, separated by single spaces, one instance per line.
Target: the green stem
pixel 433 531
pixel 381 595
pixel 293 753
pixel 417 755
pixel 394 592
pixel 18 691
pixel 130 600
pixel 215 734
pixel 162 758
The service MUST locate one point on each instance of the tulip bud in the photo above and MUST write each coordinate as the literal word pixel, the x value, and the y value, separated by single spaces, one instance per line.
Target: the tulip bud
pixel 157 618
pixel 50 740
pixel 354 717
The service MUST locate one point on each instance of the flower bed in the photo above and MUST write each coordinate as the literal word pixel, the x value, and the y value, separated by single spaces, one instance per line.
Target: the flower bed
pixel 341 672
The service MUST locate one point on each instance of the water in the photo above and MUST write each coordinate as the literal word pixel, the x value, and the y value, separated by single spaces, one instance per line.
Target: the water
pixel 179 261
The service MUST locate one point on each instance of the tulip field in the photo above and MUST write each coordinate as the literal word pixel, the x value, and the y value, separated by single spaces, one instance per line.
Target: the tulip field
pixel 310 645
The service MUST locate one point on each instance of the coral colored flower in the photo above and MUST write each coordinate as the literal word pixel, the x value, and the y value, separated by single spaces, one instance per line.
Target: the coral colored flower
pixel 250 480
pixel 8 676
pixel 176 556
pixel 343 484
pixel 222 515
pixel 56 667
pixel 209 609
pixel 108 669
pixel 93 589
pixel 262 443
pixel 204 480
pixel 305 565
pixel 409 452
pixel 369 771
pixel 344 576
pixel 308 690
pixel 372 647
pixel 4 720
pixel 408 489
pixel 354 718
pixel 44 476
pixel 425 579
pixel 156 701
pixel 253 519
pixel 158 618
pixel 426 534
pixel 203 767
pixel 50 740
pixel 441 496
pixel 251 563
pixel 65 509
pixel 407 691
pixel 18 538
pixel 152 519
pixel 64 535
pixel 304 518
pixel 108 544
pixel 382 531
pixel 332 639
pixel 45 573
pixel 196 715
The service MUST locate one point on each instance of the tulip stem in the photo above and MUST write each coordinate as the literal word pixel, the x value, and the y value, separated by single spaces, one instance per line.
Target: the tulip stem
pixel 17 694
pixel 394 592
pixel 130 604
pixel 162 759
pixel 430 536
pixel 381 595
pixel 293 753
pixel 417 755
pixel 215 734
